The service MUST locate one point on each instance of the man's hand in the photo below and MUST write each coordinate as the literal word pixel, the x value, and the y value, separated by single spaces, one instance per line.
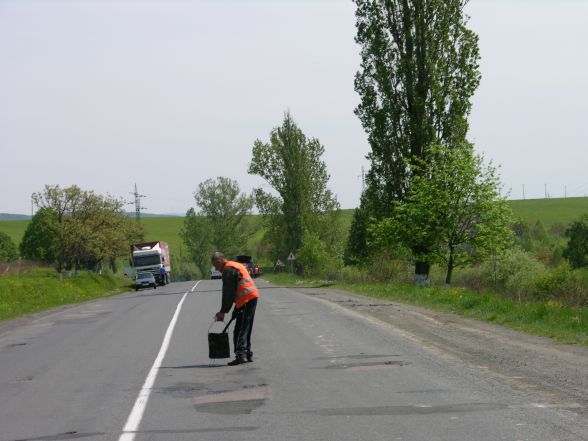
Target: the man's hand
pixel 220 316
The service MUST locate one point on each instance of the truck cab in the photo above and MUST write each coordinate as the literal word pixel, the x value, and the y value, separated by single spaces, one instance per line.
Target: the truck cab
pixel 152 257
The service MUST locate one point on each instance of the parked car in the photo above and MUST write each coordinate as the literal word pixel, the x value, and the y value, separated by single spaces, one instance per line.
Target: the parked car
pixel 253 268
pixel 144 280
pixel 215 274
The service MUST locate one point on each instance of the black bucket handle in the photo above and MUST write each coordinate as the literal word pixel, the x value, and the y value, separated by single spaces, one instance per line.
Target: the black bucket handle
pixel 226 327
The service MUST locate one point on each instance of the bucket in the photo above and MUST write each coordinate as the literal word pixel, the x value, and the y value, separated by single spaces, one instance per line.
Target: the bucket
pixel 218 343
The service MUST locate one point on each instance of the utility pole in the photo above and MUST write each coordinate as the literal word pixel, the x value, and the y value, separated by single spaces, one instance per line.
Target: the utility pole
pixel 565 191
pixel 545 191
pixel 137 203
pixel 523 192
pixel 362 179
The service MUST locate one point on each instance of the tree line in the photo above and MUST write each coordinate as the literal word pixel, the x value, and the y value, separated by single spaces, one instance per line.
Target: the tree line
pixel 300 215
pixel 77 229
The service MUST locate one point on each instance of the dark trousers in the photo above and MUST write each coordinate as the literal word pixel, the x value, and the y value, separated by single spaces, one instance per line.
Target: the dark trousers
pixel 243 326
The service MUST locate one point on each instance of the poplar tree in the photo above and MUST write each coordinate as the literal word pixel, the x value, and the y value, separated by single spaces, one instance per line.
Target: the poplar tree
pixel 301 203
pixel 418 73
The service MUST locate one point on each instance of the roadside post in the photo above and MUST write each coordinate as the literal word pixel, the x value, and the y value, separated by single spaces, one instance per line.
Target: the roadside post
pixel 291 259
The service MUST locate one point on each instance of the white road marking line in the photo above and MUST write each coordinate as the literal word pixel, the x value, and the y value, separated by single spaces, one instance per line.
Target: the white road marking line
pixel 134 419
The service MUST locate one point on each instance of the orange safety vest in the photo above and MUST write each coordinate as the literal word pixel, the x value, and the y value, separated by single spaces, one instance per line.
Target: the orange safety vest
pixel 246 289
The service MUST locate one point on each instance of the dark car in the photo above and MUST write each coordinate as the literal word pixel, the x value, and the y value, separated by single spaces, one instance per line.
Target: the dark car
pixel 253 268
pixel 145 280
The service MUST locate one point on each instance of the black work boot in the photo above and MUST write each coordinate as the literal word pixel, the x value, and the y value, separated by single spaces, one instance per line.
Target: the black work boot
pixel 236 361
pixel 249 358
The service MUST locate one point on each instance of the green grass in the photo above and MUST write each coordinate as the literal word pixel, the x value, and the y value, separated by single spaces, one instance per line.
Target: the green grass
pixel 550 211
pixel 553 320
pixel 39 289
pixel 166 229
pixel 15 229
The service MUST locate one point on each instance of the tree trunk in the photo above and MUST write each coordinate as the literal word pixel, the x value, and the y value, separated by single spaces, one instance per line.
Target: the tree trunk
pixel 449 271
pixel 421 273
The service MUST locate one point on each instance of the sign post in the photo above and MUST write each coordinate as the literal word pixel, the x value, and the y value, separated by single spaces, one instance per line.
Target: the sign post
pixel 291 259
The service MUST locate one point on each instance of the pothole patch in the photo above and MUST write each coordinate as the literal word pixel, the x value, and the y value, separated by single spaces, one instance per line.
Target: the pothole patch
pixel 242 401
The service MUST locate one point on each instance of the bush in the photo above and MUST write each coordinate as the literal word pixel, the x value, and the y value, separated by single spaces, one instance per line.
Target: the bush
pixel 8 251
pixel 513 270
pixel 314 259
pixel 561 284
pixel 514 274
pixel 353 274
pixel 388 267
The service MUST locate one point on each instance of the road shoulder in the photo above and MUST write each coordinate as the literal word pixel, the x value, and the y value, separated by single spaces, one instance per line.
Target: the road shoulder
pixel 538 365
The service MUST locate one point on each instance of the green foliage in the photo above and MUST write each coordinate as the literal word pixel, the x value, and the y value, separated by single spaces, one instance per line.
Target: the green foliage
pixel 562 284
pixel 418 74
pixel 315 259
pixel 356 249
pixel 312 255
pixel 546 245
pixel 519 275
pixel 8 251
pixel 453 212
pixel 419 71
pixel 90 230
pixel 577 249
pixel 514 273
pixel 221 224
pixel 291 164
pixel 197 236
pixel 39 240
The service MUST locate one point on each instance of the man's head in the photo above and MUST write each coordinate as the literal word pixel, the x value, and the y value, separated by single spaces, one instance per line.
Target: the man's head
pixel 218 261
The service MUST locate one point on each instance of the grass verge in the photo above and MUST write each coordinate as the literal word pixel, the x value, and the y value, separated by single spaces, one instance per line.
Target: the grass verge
pixel 39 289
pixel 562 323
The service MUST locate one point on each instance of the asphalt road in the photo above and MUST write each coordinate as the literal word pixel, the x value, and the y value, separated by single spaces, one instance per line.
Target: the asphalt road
pixel 136 367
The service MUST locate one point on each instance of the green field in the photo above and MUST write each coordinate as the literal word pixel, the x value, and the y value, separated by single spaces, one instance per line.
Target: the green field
pixel 548 211
pixel 15 229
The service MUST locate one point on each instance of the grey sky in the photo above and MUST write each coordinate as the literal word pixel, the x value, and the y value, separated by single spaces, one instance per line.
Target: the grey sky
pixel 104 94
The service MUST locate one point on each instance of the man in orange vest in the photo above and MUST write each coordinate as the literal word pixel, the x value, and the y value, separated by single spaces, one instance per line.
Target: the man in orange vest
pixel 238 288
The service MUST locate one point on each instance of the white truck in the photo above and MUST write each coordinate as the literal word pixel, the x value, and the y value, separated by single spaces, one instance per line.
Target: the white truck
pixel 152 257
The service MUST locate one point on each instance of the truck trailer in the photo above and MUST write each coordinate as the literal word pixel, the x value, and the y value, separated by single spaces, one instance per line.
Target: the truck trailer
pixel 151 257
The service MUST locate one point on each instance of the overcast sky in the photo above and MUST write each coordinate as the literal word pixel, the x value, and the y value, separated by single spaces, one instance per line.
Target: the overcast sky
pixel 166 94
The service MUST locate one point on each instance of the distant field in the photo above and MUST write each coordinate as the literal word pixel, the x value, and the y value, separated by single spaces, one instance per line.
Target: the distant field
pixel 549 211
pixel 166 229
pixel 15 229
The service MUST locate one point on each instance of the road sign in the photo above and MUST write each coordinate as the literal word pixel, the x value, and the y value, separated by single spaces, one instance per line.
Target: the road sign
pixel 291 257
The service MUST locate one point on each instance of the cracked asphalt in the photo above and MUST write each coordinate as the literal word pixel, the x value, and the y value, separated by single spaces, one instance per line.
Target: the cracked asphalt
pixel 327 366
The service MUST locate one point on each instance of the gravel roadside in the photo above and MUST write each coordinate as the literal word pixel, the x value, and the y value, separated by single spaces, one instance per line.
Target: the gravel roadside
pixel 539 366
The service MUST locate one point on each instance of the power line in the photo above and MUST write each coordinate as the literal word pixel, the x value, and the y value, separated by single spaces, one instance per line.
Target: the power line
pixel 137 203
